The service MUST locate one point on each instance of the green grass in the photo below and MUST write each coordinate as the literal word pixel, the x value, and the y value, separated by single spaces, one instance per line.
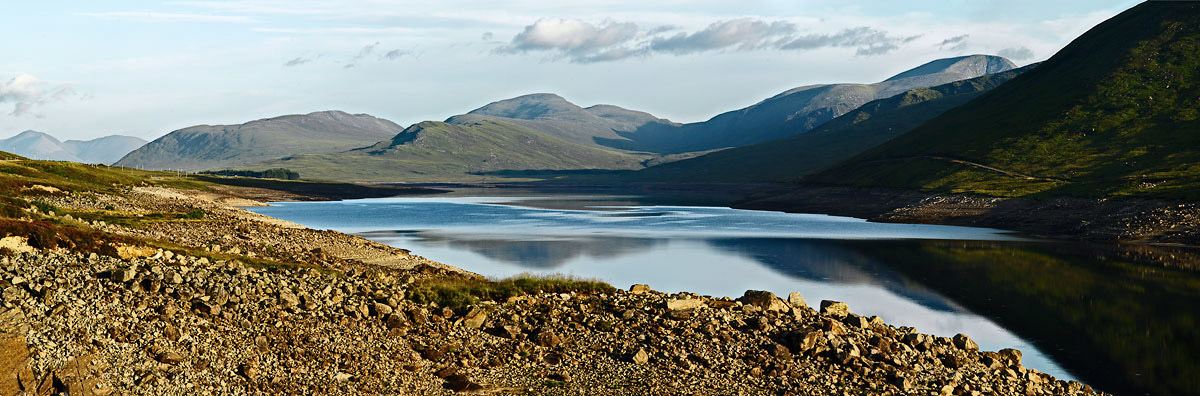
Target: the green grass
pixel 460 293
pixel 1114 114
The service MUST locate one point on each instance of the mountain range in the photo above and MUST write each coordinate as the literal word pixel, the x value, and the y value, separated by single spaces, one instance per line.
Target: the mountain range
pixel 794 111
pixel 1116 113
pixel 790 158
pixel 217 146
pixel 37 145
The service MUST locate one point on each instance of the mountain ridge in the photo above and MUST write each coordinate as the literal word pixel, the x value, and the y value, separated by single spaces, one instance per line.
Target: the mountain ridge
pixel 40 145
pixel 203 147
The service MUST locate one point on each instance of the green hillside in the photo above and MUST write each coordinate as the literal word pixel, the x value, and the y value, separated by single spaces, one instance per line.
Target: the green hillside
pixel 1115 113
pixel 438 151
pixel 791 158
pixel 204 147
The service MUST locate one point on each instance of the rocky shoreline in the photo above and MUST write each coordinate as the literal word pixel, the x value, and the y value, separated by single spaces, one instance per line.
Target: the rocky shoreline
pixel 237 303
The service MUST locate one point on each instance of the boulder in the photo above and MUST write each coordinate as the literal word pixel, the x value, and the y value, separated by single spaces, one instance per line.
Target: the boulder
pixel 835 309
pixel 797 300
pixel 639 288
pixel 475 318
pixel 1013 356
pixel 684 303
pixel 964 342
pixel 764 300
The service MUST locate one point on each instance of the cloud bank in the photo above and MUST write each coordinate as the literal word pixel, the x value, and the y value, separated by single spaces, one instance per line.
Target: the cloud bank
pixel 580 41
pixel 26 91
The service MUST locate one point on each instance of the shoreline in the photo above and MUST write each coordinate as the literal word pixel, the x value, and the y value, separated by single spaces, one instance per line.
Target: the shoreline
pixel 556 343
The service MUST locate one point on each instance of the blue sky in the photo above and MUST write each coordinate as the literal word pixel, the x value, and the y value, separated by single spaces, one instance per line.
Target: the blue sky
pixel 84 69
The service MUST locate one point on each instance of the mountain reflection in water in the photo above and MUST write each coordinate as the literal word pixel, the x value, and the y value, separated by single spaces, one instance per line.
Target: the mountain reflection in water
pixel 1075 310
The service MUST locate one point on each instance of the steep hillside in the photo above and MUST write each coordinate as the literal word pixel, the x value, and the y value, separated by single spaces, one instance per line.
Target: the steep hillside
pixel 1115 113
pixel 217 146
pixel 790 158
pixel 553 115
pixel 439 151
pixel 802 109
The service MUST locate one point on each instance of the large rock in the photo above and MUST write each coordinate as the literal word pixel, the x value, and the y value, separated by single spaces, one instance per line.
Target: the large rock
pixel 14 365
pixel 964 342
pixel 835 309
pixel 764 300
pixel 684 303
pixel 475 318
pixel 639 288
pixel 797 300
pixel 1013 356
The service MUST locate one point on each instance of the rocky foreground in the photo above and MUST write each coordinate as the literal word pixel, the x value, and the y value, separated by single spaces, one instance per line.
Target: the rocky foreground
pixel 213 316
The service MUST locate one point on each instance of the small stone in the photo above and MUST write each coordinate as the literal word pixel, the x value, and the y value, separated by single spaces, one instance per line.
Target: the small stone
pixel 173 278
pixel 548 339
pixel 835 309
pixel 964 342
pixel 248 370
pixel 124 274
pixel 169 358
pixel 641 357
pixel 341 377
pixel 639 288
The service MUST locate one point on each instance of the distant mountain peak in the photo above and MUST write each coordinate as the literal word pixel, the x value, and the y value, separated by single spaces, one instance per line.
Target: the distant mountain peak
pixel 974 65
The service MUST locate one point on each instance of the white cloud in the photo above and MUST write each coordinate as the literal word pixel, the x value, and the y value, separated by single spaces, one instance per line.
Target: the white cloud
pixel 26 91
pixel 1019 53
pixel 583 42
pixel 148 16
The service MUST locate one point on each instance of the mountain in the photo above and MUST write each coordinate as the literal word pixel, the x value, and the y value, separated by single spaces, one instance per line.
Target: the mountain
pixel 38 145
pixel 1114 113
pixel 218 146
pixel 440 151
pixel 801 109
pixel 553 115
pixel 104 150
pixel 792 157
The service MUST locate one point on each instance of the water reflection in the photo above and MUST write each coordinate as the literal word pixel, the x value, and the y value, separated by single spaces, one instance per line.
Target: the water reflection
pixel 1108 318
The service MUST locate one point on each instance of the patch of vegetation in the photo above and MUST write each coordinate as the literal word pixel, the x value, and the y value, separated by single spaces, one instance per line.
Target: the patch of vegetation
pixel 273 173
pixel 47 235
pixel 194 214
pixel 458 293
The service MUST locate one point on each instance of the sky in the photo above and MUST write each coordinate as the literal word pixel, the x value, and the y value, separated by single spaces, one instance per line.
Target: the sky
pixel 85 69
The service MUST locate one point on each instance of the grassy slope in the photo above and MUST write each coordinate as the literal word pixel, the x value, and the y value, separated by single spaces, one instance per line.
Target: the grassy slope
pixel 793 157
pixel 1115 113
pixel 438 151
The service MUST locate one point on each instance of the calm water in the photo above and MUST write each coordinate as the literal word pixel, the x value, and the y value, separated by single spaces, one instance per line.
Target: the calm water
pixel 911 275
